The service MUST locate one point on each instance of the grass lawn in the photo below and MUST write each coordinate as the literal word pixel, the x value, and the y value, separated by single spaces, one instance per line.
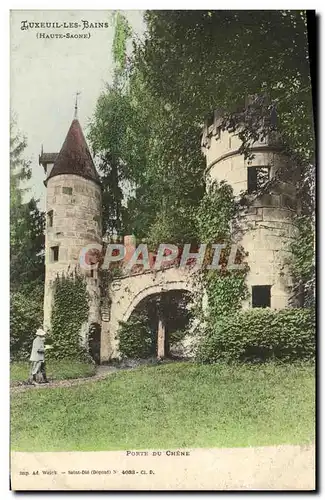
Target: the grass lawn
pixel 170 406
pixel 55 370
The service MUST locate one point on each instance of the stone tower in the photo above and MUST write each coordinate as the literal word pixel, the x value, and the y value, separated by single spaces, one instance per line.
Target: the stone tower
pixel 267 227
pixel 73 215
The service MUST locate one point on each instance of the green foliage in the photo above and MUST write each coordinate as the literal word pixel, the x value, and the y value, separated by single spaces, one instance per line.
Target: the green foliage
pixel 177 336
pixel 260 335
pixel 26 316
pixel 26 221
pixel 108 132
pixel 64 369
pixel 145 147
pixel 248 60
pixel 69 313
pixel 111 114
pixel 175 227
pixel 20 169
pixel 302 261
pixel 122 33
pixel 26 253
pixel 172 86
pixel 225 290
pixel 136 340
pixel 253 52
pixel 26 244
pixel 215 213
pixel 138 336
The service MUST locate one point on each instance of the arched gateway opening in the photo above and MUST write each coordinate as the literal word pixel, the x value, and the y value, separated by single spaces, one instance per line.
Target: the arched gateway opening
pixel 143 293
pixel 164 320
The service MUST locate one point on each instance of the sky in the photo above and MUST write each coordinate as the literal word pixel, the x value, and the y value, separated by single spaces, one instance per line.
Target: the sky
pixel 45 75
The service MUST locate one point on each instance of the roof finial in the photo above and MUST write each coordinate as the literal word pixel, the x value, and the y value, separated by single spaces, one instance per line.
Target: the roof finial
pixel 76 105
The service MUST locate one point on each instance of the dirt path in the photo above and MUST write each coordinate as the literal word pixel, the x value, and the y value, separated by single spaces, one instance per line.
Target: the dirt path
pixel 101 373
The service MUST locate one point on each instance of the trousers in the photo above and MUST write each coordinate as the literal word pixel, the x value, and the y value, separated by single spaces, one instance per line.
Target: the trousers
pixel 38 367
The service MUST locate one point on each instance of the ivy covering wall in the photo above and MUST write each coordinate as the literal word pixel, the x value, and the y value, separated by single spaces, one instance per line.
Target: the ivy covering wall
pixel 225 288
pixel 69 313
pixel 302 261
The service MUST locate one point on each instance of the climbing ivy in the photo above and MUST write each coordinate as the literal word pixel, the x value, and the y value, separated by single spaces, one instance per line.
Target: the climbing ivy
pixel 136 340
pixel 302 260
pixel 69 313
pixel 225 288
pixel 215 213
pixel 122 33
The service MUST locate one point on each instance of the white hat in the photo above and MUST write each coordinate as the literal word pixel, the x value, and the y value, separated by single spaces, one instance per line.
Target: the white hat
pixel 40 332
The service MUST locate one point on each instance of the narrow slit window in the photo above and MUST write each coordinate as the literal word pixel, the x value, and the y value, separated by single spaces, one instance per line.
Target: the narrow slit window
pixel 257 177
pixel 67 190
pixel 261 296
pixel 54 254
pixel 50 218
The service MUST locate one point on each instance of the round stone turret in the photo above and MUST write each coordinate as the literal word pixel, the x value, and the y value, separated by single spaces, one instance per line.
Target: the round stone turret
pixel 73 217
pixel 267 224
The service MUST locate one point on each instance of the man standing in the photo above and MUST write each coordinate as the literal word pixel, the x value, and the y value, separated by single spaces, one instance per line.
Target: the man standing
pixel 37 357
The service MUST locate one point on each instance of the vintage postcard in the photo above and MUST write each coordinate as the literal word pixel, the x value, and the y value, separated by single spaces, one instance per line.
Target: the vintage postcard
pixel 162 250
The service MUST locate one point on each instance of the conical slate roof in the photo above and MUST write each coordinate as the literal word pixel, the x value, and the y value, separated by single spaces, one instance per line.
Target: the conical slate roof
pixel 75 157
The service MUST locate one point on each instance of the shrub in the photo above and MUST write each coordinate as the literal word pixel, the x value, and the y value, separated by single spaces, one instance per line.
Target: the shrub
pixel 26 316
pixel 177 336
pixel 135 338
pixel 260 335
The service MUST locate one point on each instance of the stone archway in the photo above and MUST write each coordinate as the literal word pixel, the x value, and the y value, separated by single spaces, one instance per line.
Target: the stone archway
pixel 127 292
pixel 167 316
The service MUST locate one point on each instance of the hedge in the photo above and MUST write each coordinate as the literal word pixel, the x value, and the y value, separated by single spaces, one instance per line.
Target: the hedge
pixel 26 316
pixel 260 335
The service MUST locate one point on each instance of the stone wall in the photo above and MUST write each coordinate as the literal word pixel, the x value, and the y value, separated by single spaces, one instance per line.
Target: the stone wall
pixel 266 237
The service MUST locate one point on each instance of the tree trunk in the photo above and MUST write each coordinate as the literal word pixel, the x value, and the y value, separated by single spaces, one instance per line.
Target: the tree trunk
pixel 161 339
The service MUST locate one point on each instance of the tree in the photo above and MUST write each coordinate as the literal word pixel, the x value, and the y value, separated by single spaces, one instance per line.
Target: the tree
pixel 26 254
pixel 134 130
pixel 190 63
pixel 202 60
pixel 26 222
pixel 108 131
